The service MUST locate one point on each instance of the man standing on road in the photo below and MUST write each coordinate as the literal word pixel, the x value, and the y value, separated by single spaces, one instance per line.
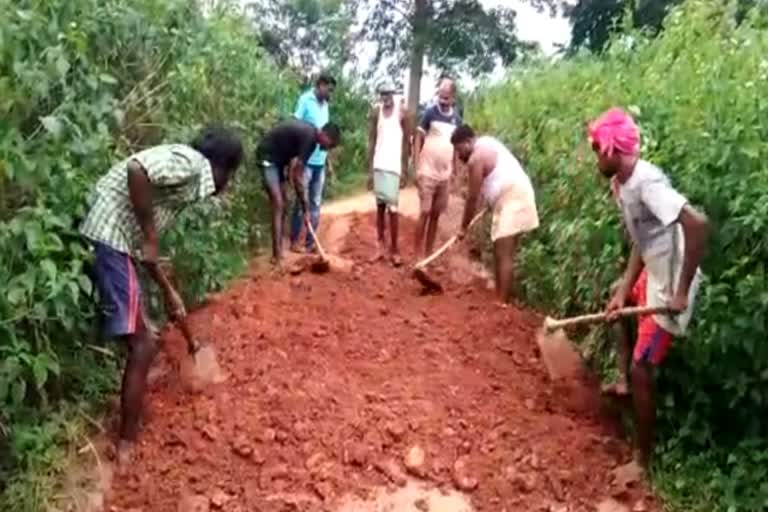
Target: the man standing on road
pixel 494 171
pixel 312 107
pixel 290 144
pixel 668 240
pixel 129 208
pixel 388 148
pixel 435 162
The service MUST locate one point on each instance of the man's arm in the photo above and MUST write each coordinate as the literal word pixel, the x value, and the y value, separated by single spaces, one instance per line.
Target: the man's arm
pixel 296 172
pixel 300 108
pixel 373 117
pixel 405 123
pixel 696 230
pixel 140 194
pixel 670 207
pixel 420 133
pixel 475 183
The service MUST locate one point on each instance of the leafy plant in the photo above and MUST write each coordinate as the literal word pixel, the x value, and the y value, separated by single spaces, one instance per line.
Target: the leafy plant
pixel 82 84
pixel 697 92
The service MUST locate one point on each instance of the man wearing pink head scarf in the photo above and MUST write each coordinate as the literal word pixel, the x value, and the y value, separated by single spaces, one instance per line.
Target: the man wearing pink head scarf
pixel 668 239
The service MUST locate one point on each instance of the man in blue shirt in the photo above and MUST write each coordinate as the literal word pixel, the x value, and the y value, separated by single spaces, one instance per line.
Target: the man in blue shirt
pixel 312 107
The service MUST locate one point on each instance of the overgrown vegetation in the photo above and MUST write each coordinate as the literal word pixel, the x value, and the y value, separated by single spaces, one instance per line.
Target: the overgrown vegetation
pixel 82 83
pixel 699 94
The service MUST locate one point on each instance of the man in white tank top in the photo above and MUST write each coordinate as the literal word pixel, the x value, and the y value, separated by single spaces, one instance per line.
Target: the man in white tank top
pixel 494 171
pixel 388 153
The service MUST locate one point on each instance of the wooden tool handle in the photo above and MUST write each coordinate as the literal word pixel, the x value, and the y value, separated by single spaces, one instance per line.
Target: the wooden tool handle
pixel 551 324
pixel 429 259
pixel 317 241
pixel 192 344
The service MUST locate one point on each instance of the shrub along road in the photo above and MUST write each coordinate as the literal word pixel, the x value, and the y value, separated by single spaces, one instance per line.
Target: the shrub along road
pixel 352 381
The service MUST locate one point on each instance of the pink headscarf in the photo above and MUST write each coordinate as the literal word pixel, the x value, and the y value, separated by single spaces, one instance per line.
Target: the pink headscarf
pixel 615 131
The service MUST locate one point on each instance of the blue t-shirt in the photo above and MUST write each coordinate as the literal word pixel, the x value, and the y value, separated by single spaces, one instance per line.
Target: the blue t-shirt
pixel 309 109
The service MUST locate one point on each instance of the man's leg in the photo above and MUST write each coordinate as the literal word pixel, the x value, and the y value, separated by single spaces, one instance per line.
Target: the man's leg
pixel 276 194
pixel 142 349
pixel 297 216
pixel 381 228
pixel 426 194
pixel 504 252
pixel 120 295
pixel 315 191
pixel 652 345
pixel 394 221
pixel 439 204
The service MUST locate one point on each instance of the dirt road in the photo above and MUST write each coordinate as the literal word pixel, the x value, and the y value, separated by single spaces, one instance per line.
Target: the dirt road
pixel 351 391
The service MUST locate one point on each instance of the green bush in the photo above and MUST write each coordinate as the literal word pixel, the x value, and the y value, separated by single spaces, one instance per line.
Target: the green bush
pixel 699 94
pixel 83 83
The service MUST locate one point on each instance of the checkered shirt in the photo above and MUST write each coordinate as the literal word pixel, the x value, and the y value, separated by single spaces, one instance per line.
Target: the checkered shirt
pixel 179 176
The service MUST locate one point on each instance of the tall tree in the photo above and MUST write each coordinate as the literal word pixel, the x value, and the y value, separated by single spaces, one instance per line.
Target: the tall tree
pixel 456 35
pixel 305 35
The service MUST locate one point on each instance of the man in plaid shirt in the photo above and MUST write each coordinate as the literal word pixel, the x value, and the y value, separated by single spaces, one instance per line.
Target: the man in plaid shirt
pixel 129 207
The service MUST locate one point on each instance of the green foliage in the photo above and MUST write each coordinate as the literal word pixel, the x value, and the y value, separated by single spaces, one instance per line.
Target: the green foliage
pixel 458 35
pixel 83 83
pixel 698 92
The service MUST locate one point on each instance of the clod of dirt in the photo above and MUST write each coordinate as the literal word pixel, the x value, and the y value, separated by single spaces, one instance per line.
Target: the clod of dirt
pixel 611 505
pixel 392 471
pixel 396 430
pixel 219 499
pixel 530 404
pixel 422 505
pixel 461 478
pixel 194 503
pixel 242 447
pixel 356 454
pixel 627 475
pixel 268 435
pixel 414 461
pixel 313 462
pixel 640 506
pixel 523 482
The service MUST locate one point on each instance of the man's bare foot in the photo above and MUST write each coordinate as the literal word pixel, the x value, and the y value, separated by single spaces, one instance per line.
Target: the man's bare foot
pixel 311 250
pixel 296 247
pixel 277 265
pixel 397 261
pixel 125 450
pixel 618 388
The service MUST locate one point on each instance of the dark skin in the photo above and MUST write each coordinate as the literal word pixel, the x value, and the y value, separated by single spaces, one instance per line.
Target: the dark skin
pixel 696 230
pixel 142 345
pixel 428 221
pixel 480 163
pixel 387 100
pixel 278 199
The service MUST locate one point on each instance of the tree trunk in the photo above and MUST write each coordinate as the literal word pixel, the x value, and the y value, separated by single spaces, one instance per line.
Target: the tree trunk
pixel 419 24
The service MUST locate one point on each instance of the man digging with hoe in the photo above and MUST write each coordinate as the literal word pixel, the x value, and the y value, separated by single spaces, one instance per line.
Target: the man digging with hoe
pixel 668 239
pixel 129 208
pixel 494 171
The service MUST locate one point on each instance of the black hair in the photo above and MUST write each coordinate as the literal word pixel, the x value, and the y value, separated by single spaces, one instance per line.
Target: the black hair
pixel 462 134
pixel 326 79
pixel 333 133
pixel 221 146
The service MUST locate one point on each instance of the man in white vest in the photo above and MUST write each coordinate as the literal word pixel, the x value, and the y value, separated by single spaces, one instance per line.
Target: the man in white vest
pixel 388 155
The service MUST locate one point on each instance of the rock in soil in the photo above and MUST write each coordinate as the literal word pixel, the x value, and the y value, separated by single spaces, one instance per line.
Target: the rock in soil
pixel 461 478
pixel 414 461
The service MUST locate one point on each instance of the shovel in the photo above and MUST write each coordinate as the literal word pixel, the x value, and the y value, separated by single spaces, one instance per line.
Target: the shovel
pixel 558 352
pixel 320 265
pixel 201 366
pixel 430 284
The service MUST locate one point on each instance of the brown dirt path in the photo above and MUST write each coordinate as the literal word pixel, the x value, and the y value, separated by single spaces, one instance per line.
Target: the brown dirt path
pixel 334 378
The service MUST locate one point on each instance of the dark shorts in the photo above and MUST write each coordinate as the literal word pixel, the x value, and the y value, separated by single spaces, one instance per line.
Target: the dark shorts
pixel 274 176
pixel 119 291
